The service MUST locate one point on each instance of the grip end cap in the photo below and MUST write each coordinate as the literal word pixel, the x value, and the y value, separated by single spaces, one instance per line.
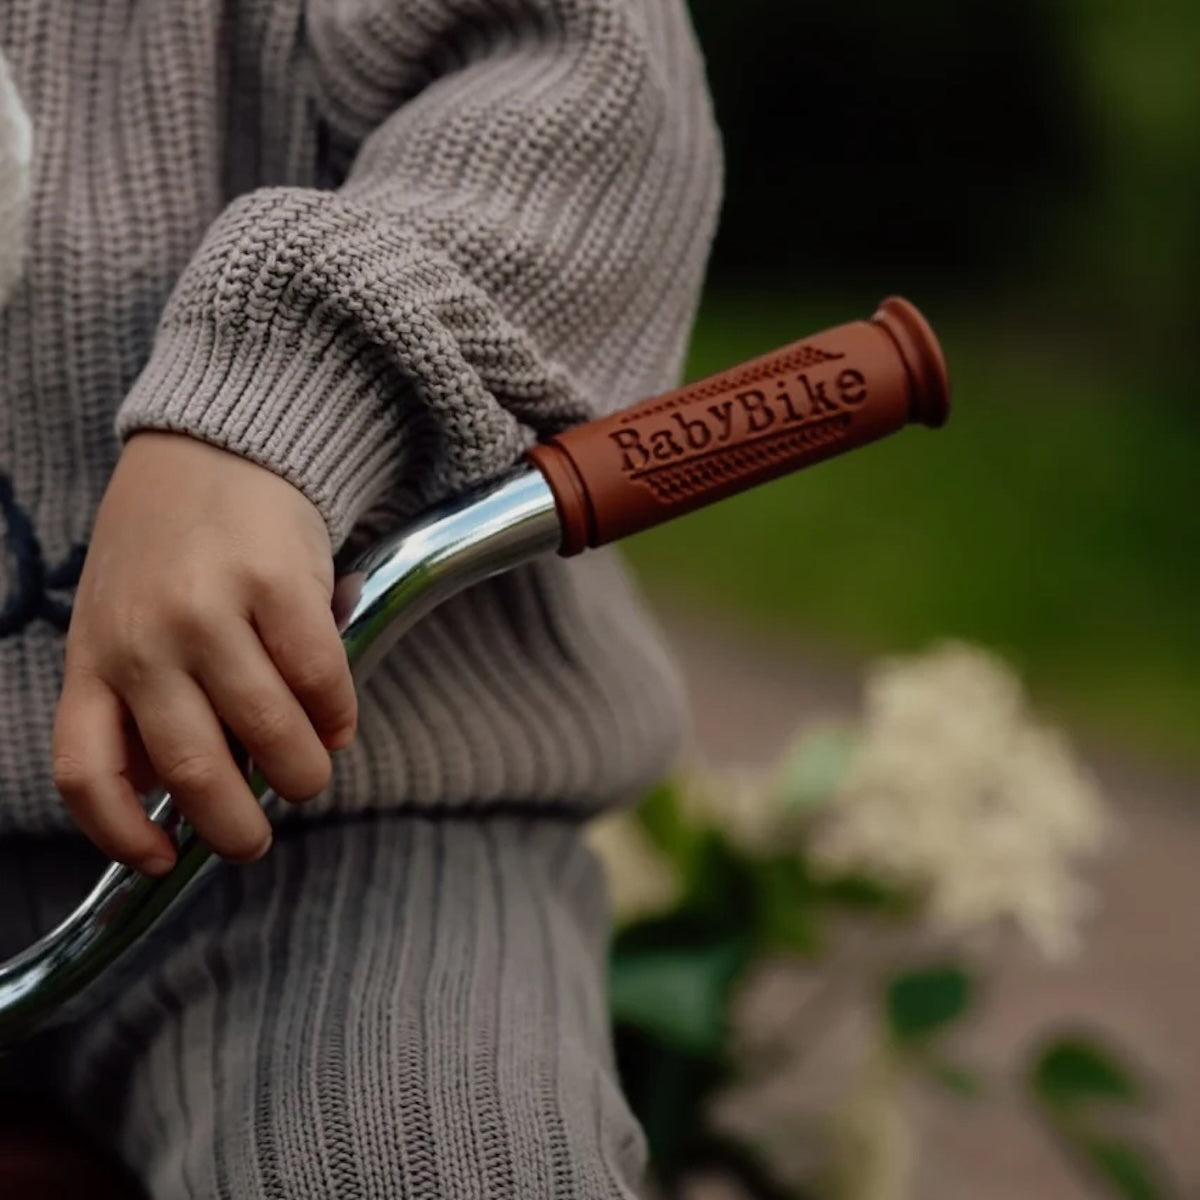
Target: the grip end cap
pixel 922 355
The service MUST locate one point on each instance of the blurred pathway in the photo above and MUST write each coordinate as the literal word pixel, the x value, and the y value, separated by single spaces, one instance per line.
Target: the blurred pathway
pixel 1137 981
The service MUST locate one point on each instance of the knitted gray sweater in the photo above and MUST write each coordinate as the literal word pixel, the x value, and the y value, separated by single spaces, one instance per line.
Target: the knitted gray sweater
pixel 378 248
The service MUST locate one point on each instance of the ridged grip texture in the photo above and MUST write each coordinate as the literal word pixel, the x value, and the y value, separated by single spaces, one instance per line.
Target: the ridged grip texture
pixel 817 398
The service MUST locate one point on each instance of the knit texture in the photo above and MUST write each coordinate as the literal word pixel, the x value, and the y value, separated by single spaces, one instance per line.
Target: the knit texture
pixel 379 249
pixel 393 1008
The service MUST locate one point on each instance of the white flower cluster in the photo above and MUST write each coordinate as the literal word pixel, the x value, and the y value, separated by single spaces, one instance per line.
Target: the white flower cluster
pixel 641 881
pixel 742 802
pixel 958 789
pixel 949 784
pixel 872 1147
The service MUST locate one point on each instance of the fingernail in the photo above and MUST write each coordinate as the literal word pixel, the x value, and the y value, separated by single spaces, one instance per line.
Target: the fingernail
pixel 341 739
pixel 261 851
pixel 156 865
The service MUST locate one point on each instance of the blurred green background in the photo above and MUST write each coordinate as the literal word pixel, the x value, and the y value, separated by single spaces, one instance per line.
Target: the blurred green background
pixel 1028 173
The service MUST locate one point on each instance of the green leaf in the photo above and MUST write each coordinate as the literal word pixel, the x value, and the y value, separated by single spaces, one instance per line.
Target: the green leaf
pixel 958 1080
pixel 679 996
pixel 815 768
pixel 1129 1171
pixel 922 1002
pixel 1075 1069
pixel 661 816
pixel 720 882
pixel 669 1091
pixel 787 905
pixel 860 893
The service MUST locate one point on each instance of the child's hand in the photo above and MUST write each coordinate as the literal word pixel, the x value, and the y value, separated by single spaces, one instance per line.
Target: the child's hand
pixel 204 602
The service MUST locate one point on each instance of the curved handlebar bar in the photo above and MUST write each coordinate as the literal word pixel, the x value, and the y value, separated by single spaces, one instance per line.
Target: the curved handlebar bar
pixel 594 484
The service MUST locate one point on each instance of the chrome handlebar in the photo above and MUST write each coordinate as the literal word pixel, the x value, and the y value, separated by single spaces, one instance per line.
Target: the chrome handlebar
pixel 587 486
pixel 385 593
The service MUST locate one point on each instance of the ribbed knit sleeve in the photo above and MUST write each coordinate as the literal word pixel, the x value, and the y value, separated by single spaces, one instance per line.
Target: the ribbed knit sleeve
pixel 517 244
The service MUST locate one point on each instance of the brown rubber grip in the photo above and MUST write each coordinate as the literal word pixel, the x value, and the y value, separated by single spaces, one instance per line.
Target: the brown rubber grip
pixel 809 401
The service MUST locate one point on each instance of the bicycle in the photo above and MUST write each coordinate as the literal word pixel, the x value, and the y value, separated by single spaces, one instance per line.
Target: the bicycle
pixel 592 485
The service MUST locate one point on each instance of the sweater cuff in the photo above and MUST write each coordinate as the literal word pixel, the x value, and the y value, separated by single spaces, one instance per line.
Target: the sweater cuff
pixel 322 420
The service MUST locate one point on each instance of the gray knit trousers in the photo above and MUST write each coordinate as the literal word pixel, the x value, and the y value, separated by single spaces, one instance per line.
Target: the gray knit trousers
pixel 389 1006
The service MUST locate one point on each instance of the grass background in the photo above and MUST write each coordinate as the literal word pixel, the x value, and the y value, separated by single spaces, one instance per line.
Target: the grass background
pixel 1055 519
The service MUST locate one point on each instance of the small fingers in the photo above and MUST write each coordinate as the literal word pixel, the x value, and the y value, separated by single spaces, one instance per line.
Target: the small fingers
pixel 256 704
pixel 91 772
pixel 187 747
pixel 138 769
pixel 300 634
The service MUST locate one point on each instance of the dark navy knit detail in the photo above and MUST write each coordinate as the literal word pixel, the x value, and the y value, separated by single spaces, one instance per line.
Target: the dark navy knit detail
pixel 29 595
